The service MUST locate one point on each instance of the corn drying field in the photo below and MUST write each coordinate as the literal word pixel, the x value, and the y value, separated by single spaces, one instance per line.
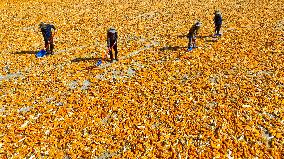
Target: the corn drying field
pixel 224 99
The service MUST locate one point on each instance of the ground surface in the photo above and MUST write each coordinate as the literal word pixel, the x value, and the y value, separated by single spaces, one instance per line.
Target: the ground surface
pixel 224 99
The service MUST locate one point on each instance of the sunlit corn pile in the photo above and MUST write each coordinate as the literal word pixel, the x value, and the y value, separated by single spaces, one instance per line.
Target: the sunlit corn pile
pixel 224 99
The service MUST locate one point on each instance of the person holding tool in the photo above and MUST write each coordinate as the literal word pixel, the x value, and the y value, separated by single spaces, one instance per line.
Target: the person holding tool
pixel 46 30
pixel 192 35
pixel 112 43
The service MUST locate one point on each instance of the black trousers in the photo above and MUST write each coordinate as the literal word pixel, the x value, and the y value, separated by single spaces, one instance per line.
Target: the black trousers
pixel 49 46
pixel 191 41
pixel 115 51
pixel 217 29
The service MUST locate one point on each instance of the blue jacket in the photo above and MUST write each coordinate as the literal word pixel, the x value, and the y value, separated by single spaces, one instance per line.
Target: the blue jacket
pixel 218 19
pixel 46 31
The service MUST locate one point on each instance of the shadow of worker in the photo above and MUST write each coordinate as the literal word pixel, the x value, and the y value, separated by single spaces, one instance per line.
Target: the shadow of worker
pixel 171 48
pixel 24 52
pixel 85 59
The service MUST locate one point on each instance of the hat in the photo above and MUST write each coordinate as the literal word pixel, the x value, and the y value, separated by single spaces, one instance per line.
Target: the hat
pixel 198 23
pixel 42 25
pixel 111 28
pixel 217 12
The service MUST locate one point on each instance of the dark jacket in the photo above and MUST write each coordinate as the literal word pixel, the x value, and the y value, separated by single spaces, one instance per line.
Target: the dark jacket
pixel 47 32
pixel 193 30
pixel 111 37
pixel 218 19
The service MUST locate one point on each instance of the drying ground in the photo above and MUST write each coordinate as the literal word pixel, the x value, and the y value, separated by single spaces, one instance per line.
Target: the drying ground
pixel 224 99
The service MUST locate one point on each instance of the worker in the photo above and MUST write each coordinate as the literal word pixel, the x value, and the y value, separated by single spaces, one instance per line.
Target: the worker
pixel 192 35
pixel 112 43
pixel 217 22
pixel 48 35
